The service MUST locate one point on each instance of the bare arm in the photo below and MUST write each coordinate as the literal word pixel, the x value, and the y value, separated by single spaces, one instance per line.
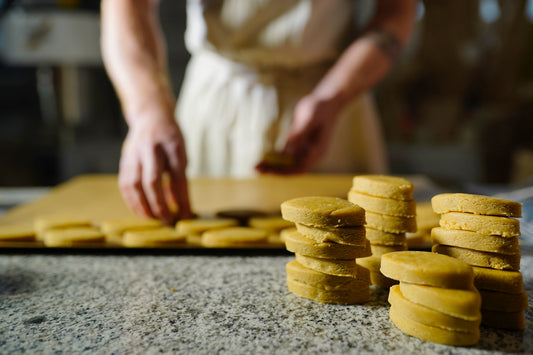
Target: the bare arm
pixel 362 65
pixel 135 58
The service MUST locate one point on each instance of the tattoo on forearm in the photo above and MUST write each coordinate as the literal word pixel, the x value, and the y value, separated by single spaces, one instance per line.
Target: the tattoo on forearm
pixel 387 41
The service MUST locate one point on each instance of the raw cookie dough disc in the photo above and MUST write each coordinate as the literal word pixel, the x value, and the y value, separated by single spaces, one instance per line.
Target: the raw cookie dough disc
pixel 119 226
pixel 159 237
pixel 428 269
pixel 503 320
pixel 372 264
pixel 498 280
pixel 472 240
pixel 241 215
pixel 387 206
pixel 234 237
pixel 376 236
pixel 16 233
pixel 297 243
pixel 75 236
pixel 457 303
pixel 486 225
pixel 271 224
pixel 302 274
pixel 385 186
pixel 337 267
pixel 390 224
pixel 429 333
pixel 504 302
pixel 480 258
pixel 379 250
pixel 201 225
pixel 354 236
pixel 476 204
pixel 430 316
pixel 283 234
pixel 323 211
pixel 42 224
pixel 348 296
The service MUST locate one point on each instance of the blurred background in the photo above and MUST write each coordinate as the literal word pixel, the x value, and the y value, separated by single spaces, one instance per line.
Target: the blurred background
pixel 457 107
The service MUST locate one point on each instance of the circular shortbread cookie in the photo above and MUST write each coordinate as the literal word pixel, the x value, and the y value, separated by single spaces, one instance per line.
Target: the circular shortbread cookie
pixel 476 204
pixel 201 225
pixel 234 237
pixel 379 250
pixel 376 236
pixel 464 304
pixel 339 267
pixel 427 269
pixel 385 186
pixel 271 224
pixel 349 235
pixel 354 295
pixel 480 258
pixel 300 273
pixel 16 233
pixel 486 225
pixel 472 240
pixel 503 320
pixel 390 224
pixel 120 226
pixel 387 206
pixel 429 315
pixel 298 243
pixel 498 280
pixel 159 237
pixel 323 212
pixel 400 318
pixel 503 301
pixel 44 223
pixel 75 236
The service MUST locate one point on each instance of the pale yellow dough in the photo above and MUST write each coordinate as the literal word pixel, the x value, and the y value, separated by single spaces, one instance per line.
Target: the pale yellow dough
pixel 44 223
pixel 376 236
pixel 339 267
pixel 390 224
pixel 159 237
pixel 464 304
pixel 430 333
pixel 379 250
pixel 355 295
pixel 348 235
pixel 486 225
pixel 234 237
pixel 323 211
pixel 427 269
pixel 504 302
pixel 472 240
pixel 498 280
pixel 297 243
pixel 480 258
pixel 503 320
pixel 201 225
pixel 476 204
pixel 385 186
pixel 283 234
pixel 431 316
pixel 271 224
pixel 120 226
pixel 75 236
pixel 387 206
pixel 9 233
pixel 372 264
pixel 302 274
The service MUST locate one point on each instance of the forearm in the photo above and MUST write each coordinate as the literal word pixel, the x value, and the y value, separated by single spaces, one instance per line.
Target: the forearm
pixel 134 55
pixel 367 60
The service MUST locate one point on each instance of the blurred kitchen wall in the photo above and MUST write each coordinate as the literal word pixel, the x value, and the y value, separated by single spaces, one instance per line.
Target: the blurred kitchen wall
pixel 456 107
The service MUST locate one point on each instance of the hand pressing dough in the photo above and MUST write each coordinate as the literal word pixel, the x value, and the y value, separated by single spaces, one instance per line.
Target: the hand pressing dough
pixel 503 320
pixel 234 237
pixel 390 224
pixel 159 237
pixel 322 211
pixel 480 258
pixel 486 225
pixel 379 250
pixel 376 236
pixel 201 225
pixel 427 269
pixel 339 267
pixel 429 333
pixel 348 296
pixel 384 186
pixel 387 206
pixel 464 304
pixel 16 233
pixel 504 302
pixel 75 236
pixel 271 224
pixel 430 316
pixel 302 274
pixel 354 236
pixel 372 264
pixel 498 280
pixel 472 240
pixel 297 243
pixel 476 204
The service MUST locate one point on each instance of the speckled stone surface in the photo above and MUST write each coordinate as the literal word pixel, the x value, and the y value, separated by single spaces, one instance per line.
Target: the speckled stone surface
pixel 199 305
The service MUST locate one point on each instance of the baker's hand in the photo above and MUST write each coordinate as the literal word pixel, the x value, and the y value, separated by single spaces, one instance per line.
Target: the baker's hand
pixel 154 146
pixel 308 139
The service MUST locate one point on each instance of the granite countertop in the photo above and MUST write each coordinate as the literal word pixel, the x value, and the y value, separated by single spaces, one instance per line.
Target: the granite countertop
pixel 199 304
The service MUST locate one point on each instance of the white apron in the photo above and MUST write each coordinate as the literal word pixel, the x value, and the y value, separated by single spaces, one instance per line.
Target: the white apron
pixel 252 60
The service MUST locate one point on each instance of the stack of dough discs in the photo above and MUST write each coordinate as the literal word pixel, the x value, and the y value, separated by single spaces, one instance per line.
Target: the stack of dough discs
pixel 194 228
pixel 160 237
pixel 390 214
pixel 329 237
pixel 436 299
pixel 273 225
pixel 114 229
pixel 483 232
